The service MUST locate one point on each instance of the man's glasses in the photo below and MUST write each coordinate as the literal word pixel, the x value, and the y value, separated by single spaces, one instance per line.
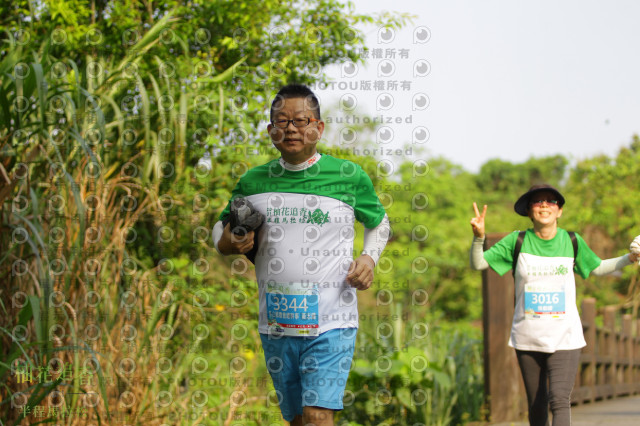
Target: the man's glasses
pixel 297 122
pixel 538 203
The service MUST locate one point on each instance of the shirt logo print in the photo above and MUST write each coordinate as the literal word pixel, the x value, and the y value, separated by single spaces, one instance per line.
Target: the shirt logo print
pixel 318 217
pixel 297 215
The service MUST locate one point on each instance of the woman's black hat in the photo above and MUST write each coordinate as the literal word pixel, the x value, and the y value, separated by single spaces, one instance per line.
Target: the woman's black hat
pixel 522 205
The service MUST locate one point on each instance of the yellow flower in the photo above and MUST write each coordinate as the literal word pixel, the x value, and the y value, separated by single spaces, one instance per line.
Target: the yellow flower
pixel 219 308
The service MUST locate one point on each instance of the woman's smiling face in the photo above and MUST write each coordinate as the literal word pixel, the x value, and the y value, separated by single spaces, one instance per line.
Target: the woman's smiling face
pixel 543 208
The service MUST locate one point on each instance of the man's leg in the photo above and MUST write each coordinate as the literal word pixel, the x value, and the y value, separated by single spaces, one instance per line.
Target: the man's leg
pixel 534 375
pixel 297 421
pixel 281 356
pixel 562 367
pixel 324 368
pixel 317 416
pixel 314 416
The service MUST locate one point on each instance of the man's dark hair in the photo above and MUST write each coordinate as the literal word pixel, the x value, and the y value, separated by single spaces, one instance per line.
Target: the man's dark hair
pixel 295 90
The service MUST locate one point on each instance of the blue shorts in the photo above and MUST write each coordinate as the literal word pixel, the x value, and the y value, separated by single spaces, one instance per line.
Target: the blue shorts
pixel 309 371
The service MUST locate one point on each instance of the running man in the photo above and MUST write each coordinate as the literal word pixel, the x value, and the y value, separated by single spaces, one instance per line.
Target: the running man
pixel 305 267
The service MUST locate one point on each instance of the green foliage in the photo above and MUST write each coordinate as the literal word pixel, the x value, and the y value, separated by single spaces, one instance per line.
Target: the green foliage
pixel 125 126
pixel 602 198
pixel 111 118
pixel 434 380
pixel 505 177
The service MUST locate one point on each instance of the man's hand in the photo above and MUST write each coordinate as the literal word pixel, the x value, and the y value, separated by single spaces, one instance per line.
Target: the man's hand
pixel 234 244
pixel 477 223
pixel 243 217
pixel 360 273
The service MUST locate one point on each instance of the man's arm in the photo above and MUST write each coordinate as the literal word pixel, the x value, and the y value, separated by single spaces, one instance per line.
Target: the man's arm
pixel 228 243
pixel 375 239
pixel 360 273
pixel 216 234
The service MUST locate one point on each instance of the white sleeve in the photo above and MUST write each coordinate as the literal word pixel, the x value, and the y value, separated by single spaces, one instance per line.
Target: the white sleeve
pixel 608 266
pixel 476 255
pixel 218 228
pixel 375 239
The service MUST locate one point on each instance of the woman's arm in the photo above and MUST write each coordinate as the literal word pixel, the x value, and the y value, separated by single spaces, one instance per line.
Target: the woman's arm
pixel 608 266
pixel 476 257
pixel 477 223
pixel 634 249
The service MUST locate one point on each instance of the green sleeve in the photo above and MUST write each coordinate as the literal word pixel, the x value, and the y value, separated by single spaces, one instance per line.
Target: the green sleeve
pixel 367 206
pixel 500 255
pixel 587 260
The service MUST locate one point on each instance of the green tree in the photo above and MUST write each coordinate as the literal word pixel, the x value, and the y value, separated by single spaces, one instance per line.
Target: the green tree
pixel 123 131
pixel 602 199
pixel 511 179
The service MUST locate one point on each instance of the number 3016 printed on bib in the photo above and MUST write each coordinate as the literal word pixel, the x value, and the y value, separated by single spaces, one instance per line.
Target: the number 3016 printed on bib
pixel 292 309
pixel 544 301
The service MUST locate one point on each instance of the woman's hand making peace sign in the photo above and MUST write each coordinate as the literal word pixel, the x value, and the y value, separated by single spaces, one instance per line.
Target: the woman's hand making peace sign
pixel 477 223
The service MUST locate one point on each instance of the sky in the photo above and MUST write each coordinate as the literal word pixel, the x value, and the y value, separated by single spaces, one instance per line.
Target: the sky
pixel 476 80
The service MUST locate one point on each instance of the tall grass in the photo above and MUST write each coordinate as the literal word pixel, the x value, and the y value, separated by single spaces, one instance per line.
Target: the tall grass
pixel 104 280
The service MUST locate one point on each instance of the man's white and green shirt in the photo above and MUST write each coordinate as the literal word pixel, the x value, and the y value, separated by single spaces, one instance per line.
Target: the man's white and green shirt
pixel 305 246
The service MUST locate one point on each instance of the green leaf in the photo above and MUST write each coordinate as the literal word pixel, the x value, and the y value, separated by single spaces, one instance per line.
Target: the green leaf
pixel 404 396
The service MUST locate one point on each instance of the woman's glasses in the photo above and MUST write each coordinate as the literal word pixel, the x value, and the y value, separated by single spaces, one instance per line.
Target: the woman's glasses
pixel 538 203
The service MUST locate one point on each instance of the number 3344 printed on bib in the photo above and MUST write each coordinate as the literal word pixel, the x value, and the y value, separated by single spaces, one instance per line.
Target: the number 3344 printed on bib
pixel 292 309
